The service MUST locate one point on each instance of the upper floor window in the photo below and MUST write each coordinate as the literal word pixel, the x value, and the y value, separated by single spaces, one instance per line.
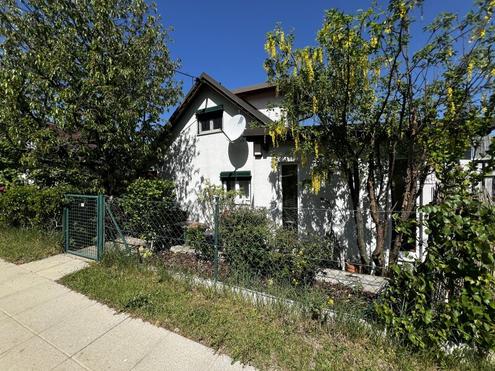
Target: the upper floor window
pixel 210 119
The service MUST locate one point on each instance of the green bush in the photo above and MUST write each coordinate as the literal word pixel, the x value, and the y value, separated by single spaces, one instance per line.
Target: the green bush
pixel 17 206
pixel 152 213
pixel 29 206
pixel 253 244
pixel 245 234
pixel 296 259
pixel 198 239
pixel 449 299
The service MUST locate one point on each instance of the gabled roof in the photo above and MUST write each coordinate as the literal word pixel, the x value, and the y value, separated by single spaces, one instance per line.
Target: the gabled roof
pixel 207 80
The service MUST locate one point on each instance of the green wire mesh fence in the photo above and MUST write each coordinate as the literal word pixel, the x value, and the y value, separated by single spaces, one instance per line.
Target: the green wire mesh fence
pixel 233 243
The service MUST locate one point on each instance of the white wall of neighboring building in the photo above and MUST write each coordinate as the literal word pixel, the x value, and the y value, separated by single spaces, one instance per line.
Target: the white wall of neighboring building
pixel 266 103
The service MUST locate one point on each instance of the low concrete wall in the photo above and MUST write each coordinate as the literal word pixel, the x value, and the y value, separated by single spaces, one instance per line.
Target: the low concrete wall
pixel 365 282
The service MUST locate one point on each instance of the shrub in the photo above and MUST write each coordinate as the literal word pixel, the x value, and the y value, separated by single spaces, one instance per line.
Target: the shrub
pixel 198 239
pixel 449 298
pixel 245 234
pixel 206 201
pixel 151 212
pixel 253 244
pixel 29 206
pixel 17 206
pixel 48 205
pixel 296 259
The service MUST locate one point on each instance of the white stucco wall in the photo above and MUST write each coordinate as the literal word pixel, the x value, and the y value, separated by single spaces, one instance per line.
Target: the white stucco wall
pixel 266 103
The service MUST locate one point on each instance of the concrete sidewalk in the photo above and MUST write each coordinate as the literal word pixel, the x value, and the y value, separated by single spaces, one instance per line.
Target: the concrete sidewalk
pixel 46 326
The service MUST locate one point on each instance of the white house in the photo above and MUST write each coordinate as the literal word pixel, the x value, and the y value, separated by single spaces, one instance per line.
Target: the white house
pixel 201 153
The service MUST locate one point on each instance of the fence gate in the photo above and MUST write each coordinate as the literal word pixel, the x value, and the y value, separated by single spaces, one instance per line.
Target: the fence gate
pixel 84 225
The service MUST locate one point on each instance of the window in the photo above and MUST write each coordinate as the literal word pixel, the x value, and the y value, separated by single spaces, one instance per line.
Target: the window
pixel 468 154
pixel 229 184
pixel 210 119
pixel 243 187
pixel 239 181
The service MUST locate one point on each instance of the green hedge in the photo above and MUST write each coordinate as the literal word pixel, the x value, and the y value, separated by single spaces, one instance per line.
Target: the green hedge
pixel 152 212
pixel 31 206
pixel 449 298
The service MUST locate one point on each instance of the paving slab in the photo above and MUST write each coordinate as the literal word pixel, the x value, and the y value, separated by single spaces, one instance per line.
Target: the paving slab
pixel 57 266
pixel 32 296
pixel 69 365
pixel 9 273
pixel 52 261
pixel 33 354
pixel 12 334
pixel 54 311
pixel 57 272
pixel 176 352
pixel 123 346
pixel 81 329
pixel 223 362
pixel 3 263
pixel 19 282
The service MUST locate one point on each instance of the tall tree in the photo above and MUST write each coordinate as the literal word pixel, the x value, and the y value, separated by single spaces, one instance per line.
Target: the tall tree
pixel 375 102
pixel 84 84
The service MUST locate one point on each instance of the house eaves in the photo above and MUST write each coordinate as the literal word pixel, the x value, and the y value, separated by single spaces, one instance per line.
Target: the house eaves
pixel 254 89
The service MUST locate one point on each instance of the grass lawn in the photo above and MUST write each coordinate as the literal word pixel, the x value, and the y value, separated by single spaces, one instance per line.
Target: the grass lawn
pixel 268 337
pixel 19 245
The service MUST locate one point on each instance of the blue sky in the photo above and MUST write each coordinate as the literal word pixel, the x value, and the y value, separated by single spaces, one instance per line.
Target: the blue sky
pixel 225 38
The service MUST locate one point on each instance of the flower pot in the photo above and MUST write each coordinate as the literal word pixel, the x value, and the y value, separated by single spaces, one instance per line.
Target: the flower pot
pixel 351 268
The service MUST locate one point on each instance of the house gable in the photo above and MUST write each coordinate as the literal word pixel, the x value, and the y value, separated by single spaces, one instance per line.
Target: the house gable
pixel 254 117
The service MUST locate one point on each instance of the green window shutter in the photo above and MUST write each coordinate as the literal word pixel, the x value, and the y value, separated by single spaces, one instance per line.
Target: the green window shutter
pixel 210 112
pixel 230 175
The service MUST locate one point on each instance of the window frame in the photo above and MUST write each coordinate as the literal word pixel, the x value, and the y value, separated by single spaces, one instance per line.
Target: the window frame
pixel 237 188
pixel 212 116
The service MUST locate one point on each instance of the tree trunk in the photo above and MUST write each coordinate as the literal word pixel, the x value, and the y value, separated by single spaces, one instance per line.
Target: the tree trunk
pixel 407 207
pixel 380 221
pixel 354 183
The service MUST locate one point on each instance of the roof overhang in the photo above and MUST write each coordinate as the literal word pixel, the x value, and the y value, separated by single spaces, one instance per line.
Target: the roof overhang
pixel 255 89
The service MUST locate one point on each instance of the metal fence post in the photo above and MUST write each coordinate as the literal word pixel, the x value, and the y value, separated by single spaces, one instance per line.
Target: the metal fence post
pixel 65 227
pixel 100 229
pixel 216 221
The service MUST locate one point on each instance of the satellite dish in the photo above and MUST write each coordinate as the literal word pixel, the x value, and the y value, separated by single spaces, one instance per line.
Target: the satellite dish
pixel 234 127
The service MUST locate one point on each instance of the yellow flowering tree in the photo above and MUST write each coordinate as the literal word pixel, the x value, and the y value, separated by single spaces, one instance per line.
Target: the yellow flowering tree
pixel 364 104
